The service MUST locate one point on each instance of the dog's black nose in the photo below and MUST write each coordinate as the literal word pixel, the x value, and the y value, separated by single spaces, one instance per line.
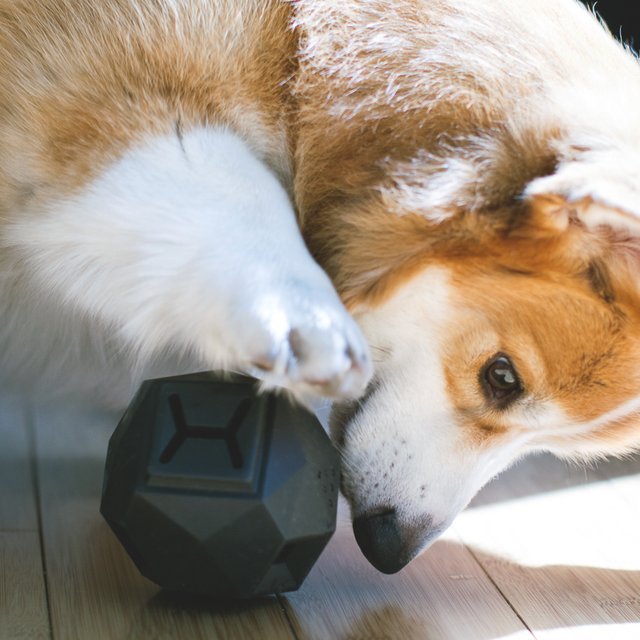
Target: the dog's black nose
pixel 387 543
pixel 380 539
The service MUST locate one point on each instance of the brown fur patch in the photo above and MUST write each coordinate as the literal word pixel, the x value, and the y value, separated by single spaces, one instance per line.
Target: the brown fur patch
pixel 83 81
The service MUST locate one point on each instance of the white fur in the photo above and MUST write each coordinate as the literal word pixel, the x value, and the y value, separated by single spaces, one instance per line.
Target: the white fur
pixel 412 460
pixel 602 187
pixel 187 247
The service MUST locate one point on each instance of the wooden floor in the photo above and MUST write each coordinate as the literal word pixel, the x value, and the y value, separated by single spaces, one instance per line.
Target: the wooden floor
pixel 547 551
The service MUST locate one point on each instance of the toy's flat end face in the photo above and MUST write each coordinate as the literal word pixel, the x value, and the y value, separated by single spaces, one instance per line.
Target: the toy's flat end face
pixel 207 439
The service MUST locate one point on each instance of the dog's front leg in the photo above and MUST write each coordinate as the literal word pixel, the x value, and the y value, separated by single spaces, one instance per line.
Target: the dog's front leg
pixel 190 245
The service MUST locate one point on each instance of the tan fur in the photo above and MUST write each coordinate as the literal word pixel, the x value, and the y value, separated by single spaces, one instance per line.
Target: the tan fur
pixel 82 81
pixel 541 320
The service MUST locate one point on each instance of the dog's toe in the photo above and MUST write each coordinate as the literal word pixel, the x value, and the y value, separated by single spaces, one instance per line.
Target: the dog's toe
pixel 322 354
pixel 329 360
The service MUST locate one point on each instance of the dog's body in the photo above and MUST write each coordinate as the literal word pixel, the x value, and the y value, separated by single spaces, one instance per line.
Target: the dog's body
pixel 467 173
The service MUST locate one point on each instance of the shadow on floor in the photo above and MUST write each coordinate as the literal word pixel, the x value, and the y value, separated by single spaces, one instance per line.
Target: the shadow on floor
pixel 542 473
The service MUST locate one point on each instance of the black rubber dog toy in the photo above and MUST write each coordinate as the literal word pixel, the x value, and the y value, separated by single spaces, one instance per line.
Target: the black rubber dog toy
pixel 216 490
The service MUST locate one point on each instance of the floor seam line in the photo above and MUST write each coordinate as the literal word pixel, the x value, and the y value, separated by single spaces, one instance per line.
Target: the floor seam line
pixel 35 479
pixel 283 606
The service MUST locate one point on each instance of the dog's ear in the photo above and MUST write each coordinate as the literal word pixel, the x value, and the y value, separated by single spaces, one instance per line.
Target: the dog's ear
pixel 599 191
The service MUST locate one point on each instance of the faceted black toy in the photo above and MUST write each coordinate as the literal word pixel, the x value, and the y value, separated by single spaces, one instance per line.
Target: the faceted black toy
pixel 216 490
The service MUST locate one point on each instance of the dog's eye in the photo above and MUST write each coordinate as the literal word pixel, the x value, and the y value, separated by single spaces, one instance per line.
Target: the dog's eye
pixel 501 379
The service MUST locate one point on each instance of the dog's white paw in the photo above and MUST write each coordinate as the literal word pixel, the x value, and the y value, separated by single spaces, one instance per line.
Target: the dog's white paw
pixel 303 339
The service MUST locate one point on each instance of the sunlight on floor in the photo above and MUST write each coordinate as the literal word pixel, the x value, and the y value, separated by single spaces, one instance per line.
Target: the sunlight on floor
pixel 630 631
pixel 566 525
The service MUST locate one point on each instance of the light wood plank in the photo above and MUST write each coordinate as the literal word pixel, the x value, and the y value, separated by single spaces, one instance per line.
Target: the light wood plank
pixel 562 545
pixel 444 594
pixel 17 501
pixel 95 590
pixel 23 607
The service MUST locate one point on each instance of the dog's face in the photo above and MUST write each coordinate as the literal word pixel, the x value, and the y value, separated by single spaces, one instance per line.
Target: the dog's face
pixel 479 360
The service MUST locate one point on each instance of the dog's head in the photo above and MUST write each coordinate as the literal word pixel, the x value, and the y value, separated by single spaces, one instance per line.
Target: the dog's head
pixel 491 343
pixel 468 174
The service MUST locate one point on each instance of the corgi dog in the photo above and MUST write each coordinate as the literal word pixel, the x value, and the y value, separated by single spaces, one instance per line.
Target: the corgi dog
pixel 425 210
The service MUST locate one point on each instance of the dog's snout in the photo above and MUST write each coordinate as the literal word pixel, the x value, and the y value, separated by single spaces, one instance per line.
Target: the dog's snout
pixel 387 542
